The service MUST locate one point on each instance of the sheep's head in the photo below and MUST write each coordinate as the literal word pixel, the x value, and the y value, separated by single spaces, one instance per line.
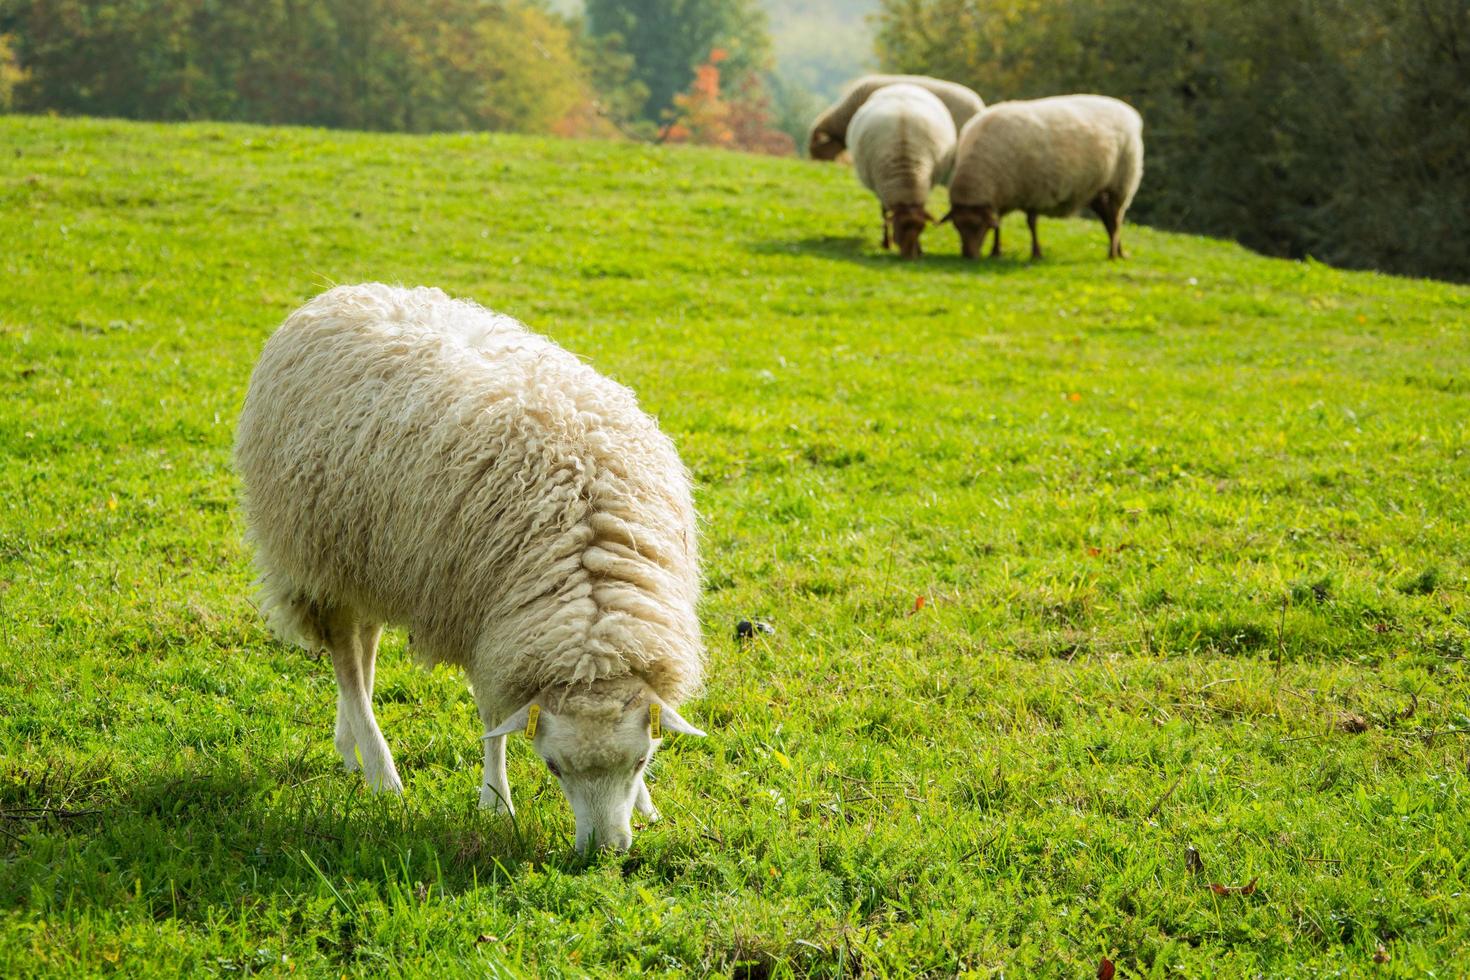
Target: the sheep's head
pixel 598 746
pixel 972 221
pixel 824 146
pixel 909 222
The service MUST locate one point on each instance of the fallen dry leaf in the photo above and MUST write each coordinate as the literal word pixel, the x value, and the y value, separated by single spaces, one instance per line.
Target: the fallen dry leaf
pixel 1248 888
pixel 1381 955
pixel 1352 722
pixel 1193 861
pixel 1105 969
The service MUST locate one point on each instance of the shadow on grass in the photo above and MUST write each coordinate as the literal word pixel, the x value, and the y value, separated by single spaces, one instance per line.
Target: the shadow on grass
pixel 206 833
pixel 861 251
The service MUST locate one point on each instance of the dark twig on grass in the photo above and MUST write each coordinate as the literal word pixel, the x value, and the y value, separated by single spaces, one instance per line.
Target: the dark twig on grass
pixel 1444 731
pixel 44 813
pixel 1153 811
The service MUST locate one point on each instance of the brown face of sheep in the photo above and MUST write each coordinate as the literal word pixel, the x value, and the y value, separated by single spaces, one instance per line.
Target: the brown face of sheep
pixel 972 221
pixel 824 146
pixel 909 222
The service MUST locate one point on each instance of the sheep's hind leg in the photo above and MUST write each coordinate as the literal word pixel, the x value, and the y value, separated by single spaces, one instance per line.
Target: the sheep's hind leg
pixel 1035 242
pixel 367 655
pixel 354 648
pixel 1108 212
pixel 995 245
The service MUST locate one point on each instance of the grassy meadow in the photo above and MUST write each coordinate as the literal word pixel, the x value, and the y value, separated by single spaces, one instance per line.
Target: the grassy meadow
pixel 1191 534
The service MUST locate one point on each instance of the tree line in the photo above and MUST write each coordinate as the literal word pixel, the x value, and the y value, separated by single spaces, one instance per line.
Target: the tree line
pixel 405 65
pixel 1338 129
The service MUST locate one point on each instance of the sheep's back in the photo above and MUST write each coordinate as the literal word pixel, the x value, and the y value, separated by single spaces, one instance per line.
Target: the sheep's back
pixel 961 102
pixel 901 141
pixel 1051 155
pixel 435 464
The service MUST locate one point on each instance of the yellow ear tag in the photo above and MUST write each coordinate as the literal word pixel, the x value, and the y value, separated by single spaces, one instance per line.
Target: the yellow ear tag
pixel 533 714
pixel 654 731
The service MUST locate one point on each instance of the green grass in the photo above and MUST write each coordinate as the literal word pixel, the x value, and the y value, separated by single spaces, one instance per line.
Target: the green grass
pixel 1193 532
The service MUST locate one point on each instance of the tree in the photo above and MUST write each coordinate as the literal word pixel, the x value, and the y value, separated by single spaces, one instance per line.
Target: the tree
pixel 1333 128
pixel 11 74
pixel 668 39
pixel 414 65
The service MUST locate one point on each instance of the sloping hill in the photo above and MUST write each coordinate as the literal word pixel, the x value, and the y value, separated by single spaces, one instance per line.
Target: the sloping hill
pixel 1190 531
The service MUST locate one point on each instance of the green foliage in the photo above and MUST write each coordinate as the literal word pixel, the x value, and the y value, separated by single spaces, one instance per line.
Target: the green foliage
pixel 418 65
pixel 620 96
pixel 821 45
pixel 669 39
pixel 1193 531
pixel 1339 129
pixel 793 107
pixel 11 74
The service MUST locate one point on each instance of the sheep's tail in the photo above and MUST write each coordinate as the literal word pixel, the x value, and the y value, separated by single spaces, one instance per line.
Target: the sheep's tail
pixel 1129 171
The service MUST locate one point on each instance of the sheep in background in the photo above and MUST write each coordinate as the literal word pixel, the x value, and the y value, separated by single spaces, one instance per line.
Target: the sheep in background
pixel 1045 156
pixel 829 133
pixel 902 145
pixel 413 459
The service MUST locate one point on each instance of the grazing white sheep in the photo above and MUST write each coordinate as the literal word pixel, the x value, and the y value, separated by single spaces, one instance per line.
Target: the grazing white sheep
pixel 413 459
pixel 829 132
pixel 903 144
pixel 1046 156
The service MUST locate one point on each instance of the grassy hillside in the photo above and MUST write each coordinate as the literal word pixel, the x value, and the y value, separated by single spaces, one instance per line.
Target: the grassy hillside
pixel 1192 531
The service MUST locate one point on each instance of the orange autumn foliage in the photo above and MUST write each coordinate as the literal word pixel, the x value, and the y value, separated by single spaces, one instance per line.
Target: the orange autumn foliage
pixel 702 116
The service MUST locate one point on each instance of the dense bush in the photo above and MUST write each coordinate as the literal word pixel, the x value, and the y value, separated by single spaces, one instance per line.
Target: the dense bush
pixel 1335 128
pixel 416 65
pixel 413 65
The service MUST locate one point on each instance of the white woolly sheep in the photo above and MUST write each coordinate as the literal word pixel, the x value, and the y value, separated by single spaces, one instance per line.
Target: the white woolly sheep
pixel 1045 156
pixel 413 459
pixel 829 132
pixel 902 145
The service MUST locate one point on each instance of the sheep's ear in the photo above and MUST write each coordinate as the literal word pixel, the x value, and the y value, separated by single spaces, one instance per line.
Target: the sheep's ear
pixel 663 718
pixel 947 215
pixel 515 723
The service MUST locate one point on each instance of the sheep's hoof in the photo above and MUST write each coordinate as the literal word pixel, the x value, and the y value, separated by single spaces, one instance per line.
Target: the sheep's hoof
pixel 386 782
pixel 650 813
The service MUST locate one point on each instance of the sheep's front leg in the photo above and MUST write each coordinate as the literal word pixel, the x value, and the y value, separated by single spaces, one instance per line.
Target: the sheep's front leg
pixel 495 789
pixel 354 651
pixel 644 803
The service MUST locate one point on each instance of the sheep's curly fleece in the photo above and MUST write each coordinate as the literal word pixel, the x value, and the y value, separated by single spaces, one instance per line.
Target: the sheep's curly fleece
pixel 424 461
pixel 961 102
pixel 902 143
pixel 1052 156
